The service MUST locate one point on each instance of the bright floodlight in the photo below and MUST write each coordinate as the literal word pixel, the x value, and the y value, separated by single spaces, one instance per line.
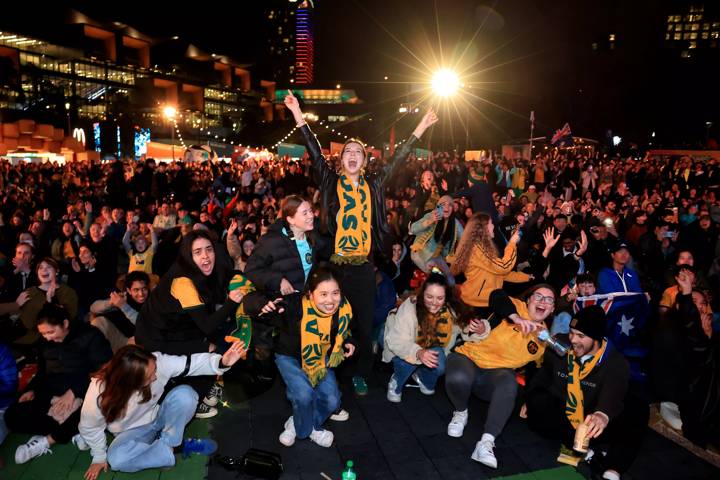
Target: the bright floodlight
pixel 445 82
pixel 169 112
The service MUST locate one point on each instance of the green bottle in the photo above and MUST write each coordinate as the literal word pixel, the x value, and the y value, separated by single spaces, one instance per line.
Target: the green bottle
pixel 348 473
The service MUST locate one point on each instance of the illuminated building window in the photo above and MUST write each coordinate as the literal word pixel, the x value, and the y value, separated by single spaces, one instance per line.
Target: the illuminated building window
pixel 695 27
pixel 685 54
pixel 678 18
pixel 686 36
pixel 678 27
pixel 706 26
pixel 692 45
pixel 677 36
pixel 715 35
pixel 612 37
pixel 667 37
pixel 705 35
pixel 693 36
pixel 671 18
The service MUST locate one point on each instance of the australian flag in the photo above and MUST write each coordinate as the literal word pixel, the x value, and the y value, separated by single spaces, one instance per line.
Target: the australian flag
pixel 627 315
pixel 563 137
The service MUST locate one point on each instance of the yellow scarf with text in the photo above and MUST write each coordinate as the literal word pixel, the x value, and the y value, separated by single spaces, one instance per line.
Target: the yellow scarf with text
pixel 315 329
pixel 574 405
pixel 352 239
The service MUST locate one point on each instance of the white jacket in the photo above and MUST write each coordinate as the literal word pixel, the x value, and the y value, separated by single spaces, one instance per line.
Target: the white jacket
pixel 401 334
pixel 92 422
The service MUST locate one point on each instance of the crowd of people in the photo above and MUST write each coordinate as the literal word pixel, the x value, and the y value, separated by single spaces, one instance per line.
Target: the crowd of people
pixel 574 291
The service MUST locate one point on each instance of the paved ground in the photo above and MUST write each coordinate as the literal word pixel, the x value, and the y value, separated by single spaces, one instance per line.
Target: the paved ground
pixel 409 441
pixel 385 441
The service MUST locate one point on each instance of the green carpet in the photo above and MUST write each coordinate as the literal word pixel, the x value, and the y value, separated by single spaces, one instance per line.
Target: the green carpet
pixel 67 462
pixel 560 473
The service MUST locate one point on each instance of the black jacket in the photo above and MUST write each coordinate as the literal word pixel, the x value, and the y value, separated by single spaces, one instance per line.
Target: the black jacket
pixel 603 389
pixel 276 257
pixel 286 324
pixel 326 179
pixel 69 364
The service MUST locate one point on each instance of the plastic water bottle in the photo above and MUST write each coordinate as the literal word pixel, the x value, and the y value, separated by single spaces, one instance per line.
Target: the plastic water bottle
pixel 348 473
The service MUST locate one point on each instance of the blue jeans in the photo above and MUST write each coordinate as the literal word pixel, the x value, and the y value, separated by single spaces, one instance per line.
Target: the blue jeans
pixel 311 406
pixel 428 376
pixel 561 323
pixel 151 445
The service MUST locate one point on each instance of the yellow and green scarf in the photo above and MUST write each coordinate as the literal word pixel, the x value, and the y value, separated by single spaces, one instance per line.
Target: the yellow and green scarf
pixel 315 328
pixel 243 330
pixel 443 321
pixel 574 405
pixel 352 239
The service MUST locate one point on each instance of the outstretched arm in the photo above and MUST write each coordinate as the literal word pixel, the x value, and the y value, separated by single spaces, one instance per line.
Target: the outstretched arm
pixel 401 154
pixel 320 167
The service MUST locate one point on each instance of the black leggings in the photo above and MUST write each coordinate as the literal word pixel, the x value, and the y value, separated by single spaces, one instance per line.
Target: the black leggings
pixel 32 417
pixel 495 385
pixel 358 286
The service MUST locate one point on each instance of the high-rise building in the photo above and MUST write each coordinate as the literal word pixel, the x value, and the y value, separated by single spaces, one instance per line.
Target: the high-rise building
pixel 692 28
pixel 290 43
pixel 304 43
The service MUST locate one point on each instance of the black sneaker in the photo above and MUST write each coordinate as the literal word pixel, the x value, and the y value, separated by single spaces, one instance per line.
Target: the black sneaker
pixel 213 396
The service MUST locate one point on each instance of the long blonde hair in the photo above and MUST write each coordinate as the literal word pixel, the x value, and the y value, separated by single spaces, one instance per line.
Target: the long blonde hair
pixel 475 233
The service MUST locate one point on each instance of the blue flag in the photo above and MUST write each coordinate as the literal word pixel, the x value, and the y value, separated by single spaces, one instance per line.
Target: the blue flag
pixel 627 318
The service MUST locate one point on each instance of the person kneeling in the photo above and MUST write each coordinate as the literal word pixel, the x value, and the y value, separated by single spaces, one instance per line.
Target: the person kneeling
pixel 124 398
pixel 593 377
pixel 419 335
pixel 313 338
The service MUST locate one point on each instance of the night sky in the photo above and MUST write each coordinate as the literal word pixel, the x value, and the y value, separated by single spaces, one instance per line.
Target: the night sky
pixel 520 55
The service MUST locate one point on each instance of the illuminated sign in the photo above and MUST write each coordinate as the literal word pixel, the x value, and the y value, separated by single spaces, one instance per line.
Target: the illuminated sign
pixel 79 135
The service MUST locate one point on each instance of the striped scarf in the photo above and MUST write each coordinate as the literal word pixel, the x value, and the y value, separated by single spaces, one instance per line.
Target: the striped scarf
pixel 243 330
pixel 315 342
pixel 440 334
pixel 575 405
pixel 352 239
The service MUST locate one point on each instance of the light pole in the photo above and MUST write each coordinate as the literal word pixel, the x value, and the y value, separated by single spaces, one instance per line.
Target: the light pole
pixel 170 113
pixel 67 112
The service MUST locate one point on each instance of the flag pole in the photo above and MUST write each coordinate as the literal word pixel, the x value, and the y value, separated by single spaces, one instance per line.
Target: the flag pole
pixel 532 127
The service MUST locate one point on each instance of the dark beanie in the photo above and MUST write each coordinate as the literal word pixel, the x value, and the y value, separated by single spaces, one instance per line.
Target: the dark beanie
pixel 591 322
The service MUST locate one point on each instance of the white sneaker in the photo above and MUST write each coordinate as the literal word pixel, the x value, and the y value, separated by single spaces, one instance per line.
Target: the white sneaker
pixel 611 475
pixel 423 389
pixel 324 438
pixel 341 415
pixel 457 424
pixel 205 411
pixel 287 437
pixel 36 446
pixel 392 394
pixel 80 442
pixel 484 452
pixel 670 412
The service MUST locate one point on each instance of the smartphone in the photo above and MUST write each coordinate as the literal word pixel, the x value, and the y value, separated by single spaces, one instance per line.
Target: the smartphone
pixel 669 234
pixel 439 210
pixel 608 222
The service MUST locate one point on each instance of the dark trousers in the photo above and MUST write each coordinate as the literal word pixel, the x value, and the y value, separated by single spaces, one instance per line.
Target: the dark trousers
pixel 358 286
pixel 32 417
pixel 623 436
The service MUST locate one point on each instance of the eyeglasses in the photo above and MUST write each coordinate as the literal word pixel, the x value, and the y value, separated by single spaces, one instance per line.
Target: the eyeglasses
pixel 540 298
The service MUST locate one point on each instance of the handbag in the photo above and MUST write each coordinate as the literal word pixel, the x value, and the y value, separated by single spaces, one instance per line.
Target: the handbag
pixel 261 463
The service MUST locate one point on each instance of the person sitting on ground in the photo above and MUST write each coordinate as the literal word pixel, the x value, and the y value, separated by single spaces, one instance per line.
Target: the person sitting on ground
pixel 436 236
pixel 420 334
pixel 115 317
pixel 477 257
pixel 589 386
pixel 567 304
pixel 140 253
pixel 125 397
pixel 48 290
pixel 49 408
pixel 487 368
